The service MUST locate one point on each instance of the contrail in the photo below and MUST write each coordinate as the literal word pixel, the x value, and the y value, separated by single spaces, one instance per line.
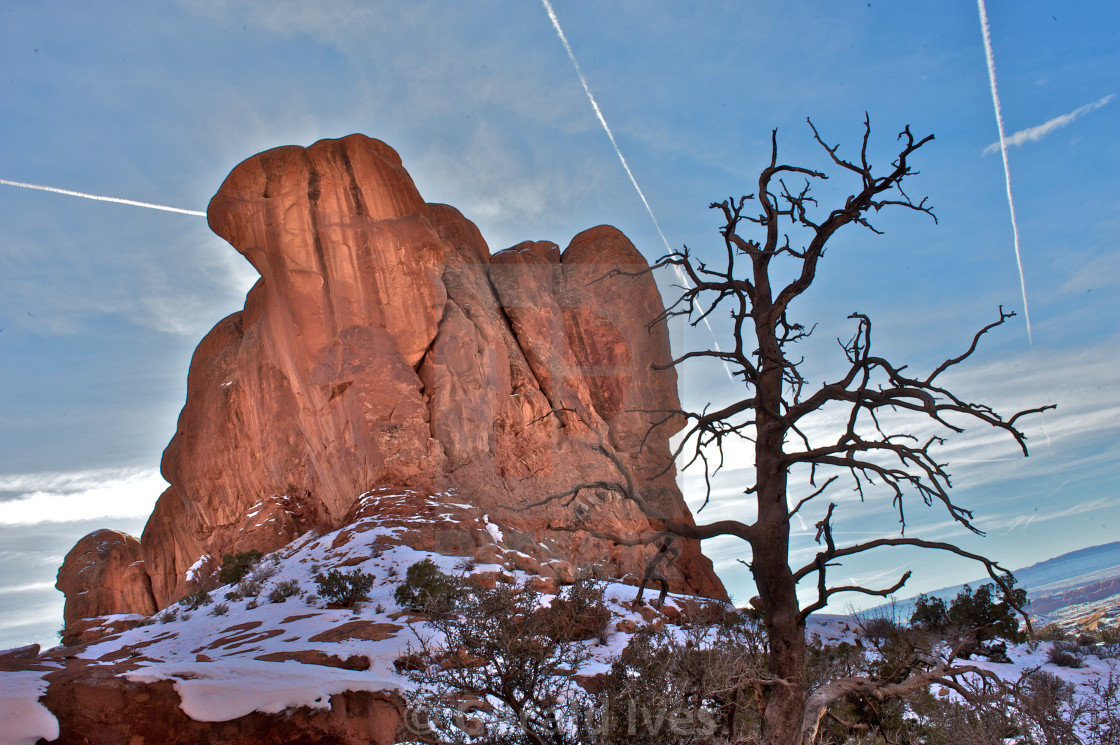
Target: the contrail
pixel 594 105
pixel 1034 134
pixel 618 151
pixel 100 198
pixel 987 33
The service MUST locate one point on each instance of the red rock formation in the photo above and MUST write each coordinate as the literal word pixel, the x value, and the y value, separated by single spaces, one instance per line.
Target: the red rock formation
pixel 383 347
pixel 103 575
pixel 1047 602
pixel 94 706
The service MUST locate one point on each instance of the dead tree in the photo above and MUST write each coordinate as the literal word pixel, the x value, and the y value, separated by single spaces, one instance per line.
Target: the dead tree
pixel 758 232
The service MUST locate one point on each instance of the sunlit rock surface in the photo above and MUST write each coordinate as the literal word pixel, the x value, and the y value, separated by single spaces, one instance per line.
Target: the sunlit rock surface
pixel 384 347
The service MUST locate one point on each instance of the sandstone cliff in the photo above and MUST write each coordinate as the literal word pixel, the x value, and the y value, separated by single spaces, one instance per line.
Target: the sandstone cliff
pixel 384 347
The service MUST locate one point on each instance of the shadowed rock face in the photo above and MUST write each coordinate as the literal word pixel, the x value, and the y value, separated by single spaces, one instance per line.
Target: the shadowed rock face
pixel 384 346
pixel 94 704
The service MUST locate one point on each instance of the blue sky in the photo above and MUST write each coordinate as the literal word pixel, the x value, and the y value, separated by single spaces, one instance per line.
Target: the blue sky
pixel 102 304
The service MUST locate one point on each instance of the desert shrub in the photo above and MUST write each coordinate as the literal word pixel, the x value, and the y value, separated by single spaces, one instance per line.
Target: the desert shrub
pixel 169 615
pixel 696 686
pixel 830 661
pixel 236 566
pixel 945 720
pixel 263 572
pixel 930 612
pixel 892 654
pixel 578 613
pixel 878 628
pixel 281 591
pixel 1051 633
pixel 1109 635
pixel 219 609
pixel 249 588
pixel 1049 712
pixel 497 649
pixel 982 616
pixel 1109 646
pixel 426 588
pixel 344 589
pixel 1065 654
pixel 649 684
pixel 931 715
pixel 1104 710
pixel 881 623
pixel 195 599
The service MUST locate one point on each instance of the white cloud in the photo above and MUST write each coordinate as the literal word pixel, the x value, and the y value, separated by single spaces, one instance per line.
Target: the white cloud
pixel 181 284
pixel 1021 521
pixel 81 495
pixel 1034 134
pixel 1096 272
pixel 189 298
pixel 32 587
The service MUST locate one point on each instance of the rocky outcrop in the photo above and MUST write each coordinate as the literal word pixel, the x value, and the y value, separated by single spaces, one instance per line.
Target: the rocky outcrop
pixel 253 665
pixel 384 347
pixel 95 704
pixel 1043 602
pixel 103 575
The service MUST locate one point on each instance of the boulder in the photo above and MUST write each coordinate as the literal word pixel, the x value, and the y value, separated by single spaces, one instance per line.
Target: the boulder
pixel 94 704
pixel 103 575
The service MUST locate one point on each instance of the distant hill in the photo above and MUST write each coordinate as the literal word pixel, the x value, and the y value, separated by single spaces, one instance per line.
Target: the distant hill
pixel 1077 589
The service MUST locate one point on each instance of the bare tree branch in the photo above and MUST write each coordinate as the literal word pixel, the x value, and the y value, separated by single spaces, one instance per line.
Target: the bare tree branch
pixel 821 561
pixel 944 673
pixel 773 243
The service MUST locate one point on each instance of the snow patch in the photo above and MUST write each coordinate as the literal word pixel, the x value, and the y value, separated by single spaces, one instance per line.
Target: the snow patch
pixel 220 691
pixel 25 719
pixel 192 572
pixel 493 529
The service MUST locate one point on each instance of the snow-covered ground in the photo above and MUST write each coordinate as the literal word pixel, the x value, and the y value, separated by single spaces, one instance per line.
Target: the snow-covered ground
pixel 1024 658
pixel 213 654
pixel 238 655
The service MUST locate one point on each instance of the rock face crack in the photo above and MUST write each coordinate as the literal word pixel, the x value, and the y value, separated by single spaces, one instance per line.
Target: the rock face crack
pixel 448 304
pixel 313 194
pixel 507 322
pixel 355 190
